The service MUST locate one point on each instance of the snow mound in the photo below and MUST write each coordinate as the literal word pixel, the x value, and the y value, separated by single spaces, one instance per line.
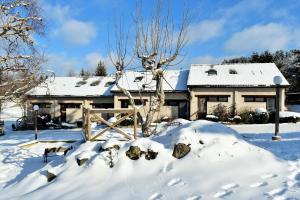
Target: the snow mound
pixel 223 158
pixel 111 142
pixel 146 143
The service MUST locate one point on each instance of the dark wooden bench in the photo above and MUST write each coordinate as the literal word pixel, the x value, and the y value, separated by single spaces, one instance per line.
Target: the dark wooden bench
pixel 55 151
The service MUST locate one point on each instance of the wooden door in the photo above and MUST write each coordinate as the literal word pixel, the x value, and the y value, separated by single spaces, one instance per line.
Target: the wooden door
pixel 202 107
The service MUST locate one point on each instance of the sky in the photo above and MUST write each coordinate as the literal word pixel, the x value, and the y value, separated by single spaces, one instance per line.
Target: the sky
pixel 77 31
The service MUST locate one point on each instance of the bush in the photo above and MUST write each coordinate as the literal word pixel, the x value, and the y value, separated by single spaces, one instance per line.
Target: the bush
pixel 283 120
pixel 237 119
pixel 221 112
pixel 247 116
pixel 261 118
pixel 212 118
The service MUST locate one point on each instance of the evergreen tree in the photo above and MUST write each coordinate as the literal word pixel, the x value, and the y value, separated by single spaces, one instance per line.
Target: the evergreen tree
pixel 82 73
pixel 100 69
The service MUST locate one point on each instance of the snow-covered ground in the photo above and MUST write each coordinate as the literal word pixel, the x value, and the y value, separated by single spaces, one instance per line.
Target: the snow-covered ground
pixel 236 162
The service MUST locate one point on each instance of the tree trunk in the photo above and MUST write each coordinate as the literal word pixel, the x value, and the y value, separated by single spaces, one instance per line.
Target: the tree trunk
pixel 155 104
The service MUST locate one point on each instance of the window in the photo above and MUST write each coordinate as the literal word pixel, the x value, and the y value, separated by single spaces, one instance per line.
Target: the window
pixel 171 103
pixel 125 103
pixel 102 105
pixel 217 98
pixel 72 105
pixel 256 98
pixel 42 105
pixel 223 99
pixel 259 99
pixel 232 71
pixel 249 99
pixel 95 83
pixel 212 98
pixel 109 83
pixel 138 79
pixel 211 72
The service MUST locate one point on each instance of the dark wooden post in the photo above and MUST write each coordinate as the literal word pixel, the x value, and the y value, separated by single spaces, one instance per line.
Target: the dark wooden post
pixel 277 100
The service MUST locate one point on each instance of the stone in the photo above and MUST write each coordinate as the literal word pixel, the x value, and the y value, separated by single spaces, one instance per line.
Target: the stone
pixel 81 161
pixel 134 152
pixel 50 176
pixel 181 150
pixel 150 154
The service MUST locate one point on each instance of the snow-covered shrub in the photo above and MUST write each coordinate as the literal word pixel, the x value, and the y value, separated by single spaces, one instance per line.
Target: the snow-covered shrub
pixel 212 118
pixel 247 116
pixel 261 116
pixel 237 119
pixel 221 111
pixel 285 117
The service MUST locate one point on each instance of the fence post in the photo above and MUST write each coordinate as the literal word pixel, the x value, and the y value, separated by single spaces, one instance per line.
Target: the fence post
pixel 88 128
pixel 135 124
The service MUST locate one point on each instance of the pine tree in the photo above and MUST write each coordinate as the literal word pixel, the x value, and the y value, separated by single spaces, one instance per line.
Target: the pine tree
pixel 82 73
pixel 100 69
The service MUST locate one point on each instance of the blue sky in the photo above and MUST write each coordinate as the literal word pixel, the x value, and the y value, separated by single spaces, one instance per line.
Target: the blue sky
pixel 77 30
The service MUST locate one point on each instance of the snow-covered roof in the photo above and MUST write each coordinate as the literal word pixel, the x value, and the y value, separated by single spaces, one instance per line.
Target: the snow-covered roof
pixel 174 80
pixel 237 75
pixel 74 86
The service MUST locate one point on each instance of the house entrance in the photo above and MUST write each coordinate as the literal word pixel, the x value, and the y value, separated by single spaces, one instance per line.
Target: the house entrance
pixel 270 104
pixel 202 107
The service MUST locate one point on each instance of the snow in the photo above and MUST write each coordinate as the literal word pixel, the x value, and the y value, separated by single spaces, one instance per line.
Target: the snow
pixel 284 114
pixel 250 74
pixel 11 110
pixel 66 86
pixel 112 120
pixel 260 110
pixel 235 162
pixel 173 80
pixel 211 117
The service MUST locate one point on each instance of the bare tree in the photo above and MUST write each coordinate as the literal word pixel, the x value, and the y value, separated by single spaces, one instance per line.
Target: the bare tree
pixel 20 62
pixel 158 44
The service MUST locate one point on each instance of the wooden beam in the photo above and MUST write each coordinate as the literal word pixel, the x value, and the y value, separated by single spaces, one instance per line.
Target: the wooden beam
pixel 135 124
pixel 111 110
pixel 114 124
pixel 88 128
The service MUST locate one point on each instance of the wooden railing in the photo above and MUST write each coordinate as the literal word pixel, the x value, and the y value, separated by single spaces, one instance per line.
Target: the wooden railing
pixel 95 115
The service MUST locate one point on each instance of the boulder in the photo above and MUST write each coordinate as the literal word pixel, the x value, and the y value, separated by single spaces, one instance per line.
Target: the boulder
pixel 134 152
pixel 150 154
pixel 181 150
pixel 50 176
pixel 81 161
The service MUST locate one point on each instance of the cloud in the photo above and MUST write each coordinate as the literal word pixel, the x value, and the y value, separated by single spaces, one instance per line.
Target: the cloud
pixel 61 63
pixel 57 13
pixel 76 32
pixel 205 30
pixel 92 59
pixel 260 37
pixel 208 59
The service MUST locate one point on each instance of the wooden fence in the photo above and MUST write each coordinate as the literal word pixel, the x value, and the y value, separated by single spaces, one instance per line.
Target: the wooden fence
pixel 95 115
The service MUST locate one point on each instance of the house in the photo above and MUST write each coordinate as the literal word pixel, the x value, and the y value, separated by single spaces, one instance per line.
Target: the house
pixel 189 94
pixel 64 97
pixel 141 84
pixel 240 86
